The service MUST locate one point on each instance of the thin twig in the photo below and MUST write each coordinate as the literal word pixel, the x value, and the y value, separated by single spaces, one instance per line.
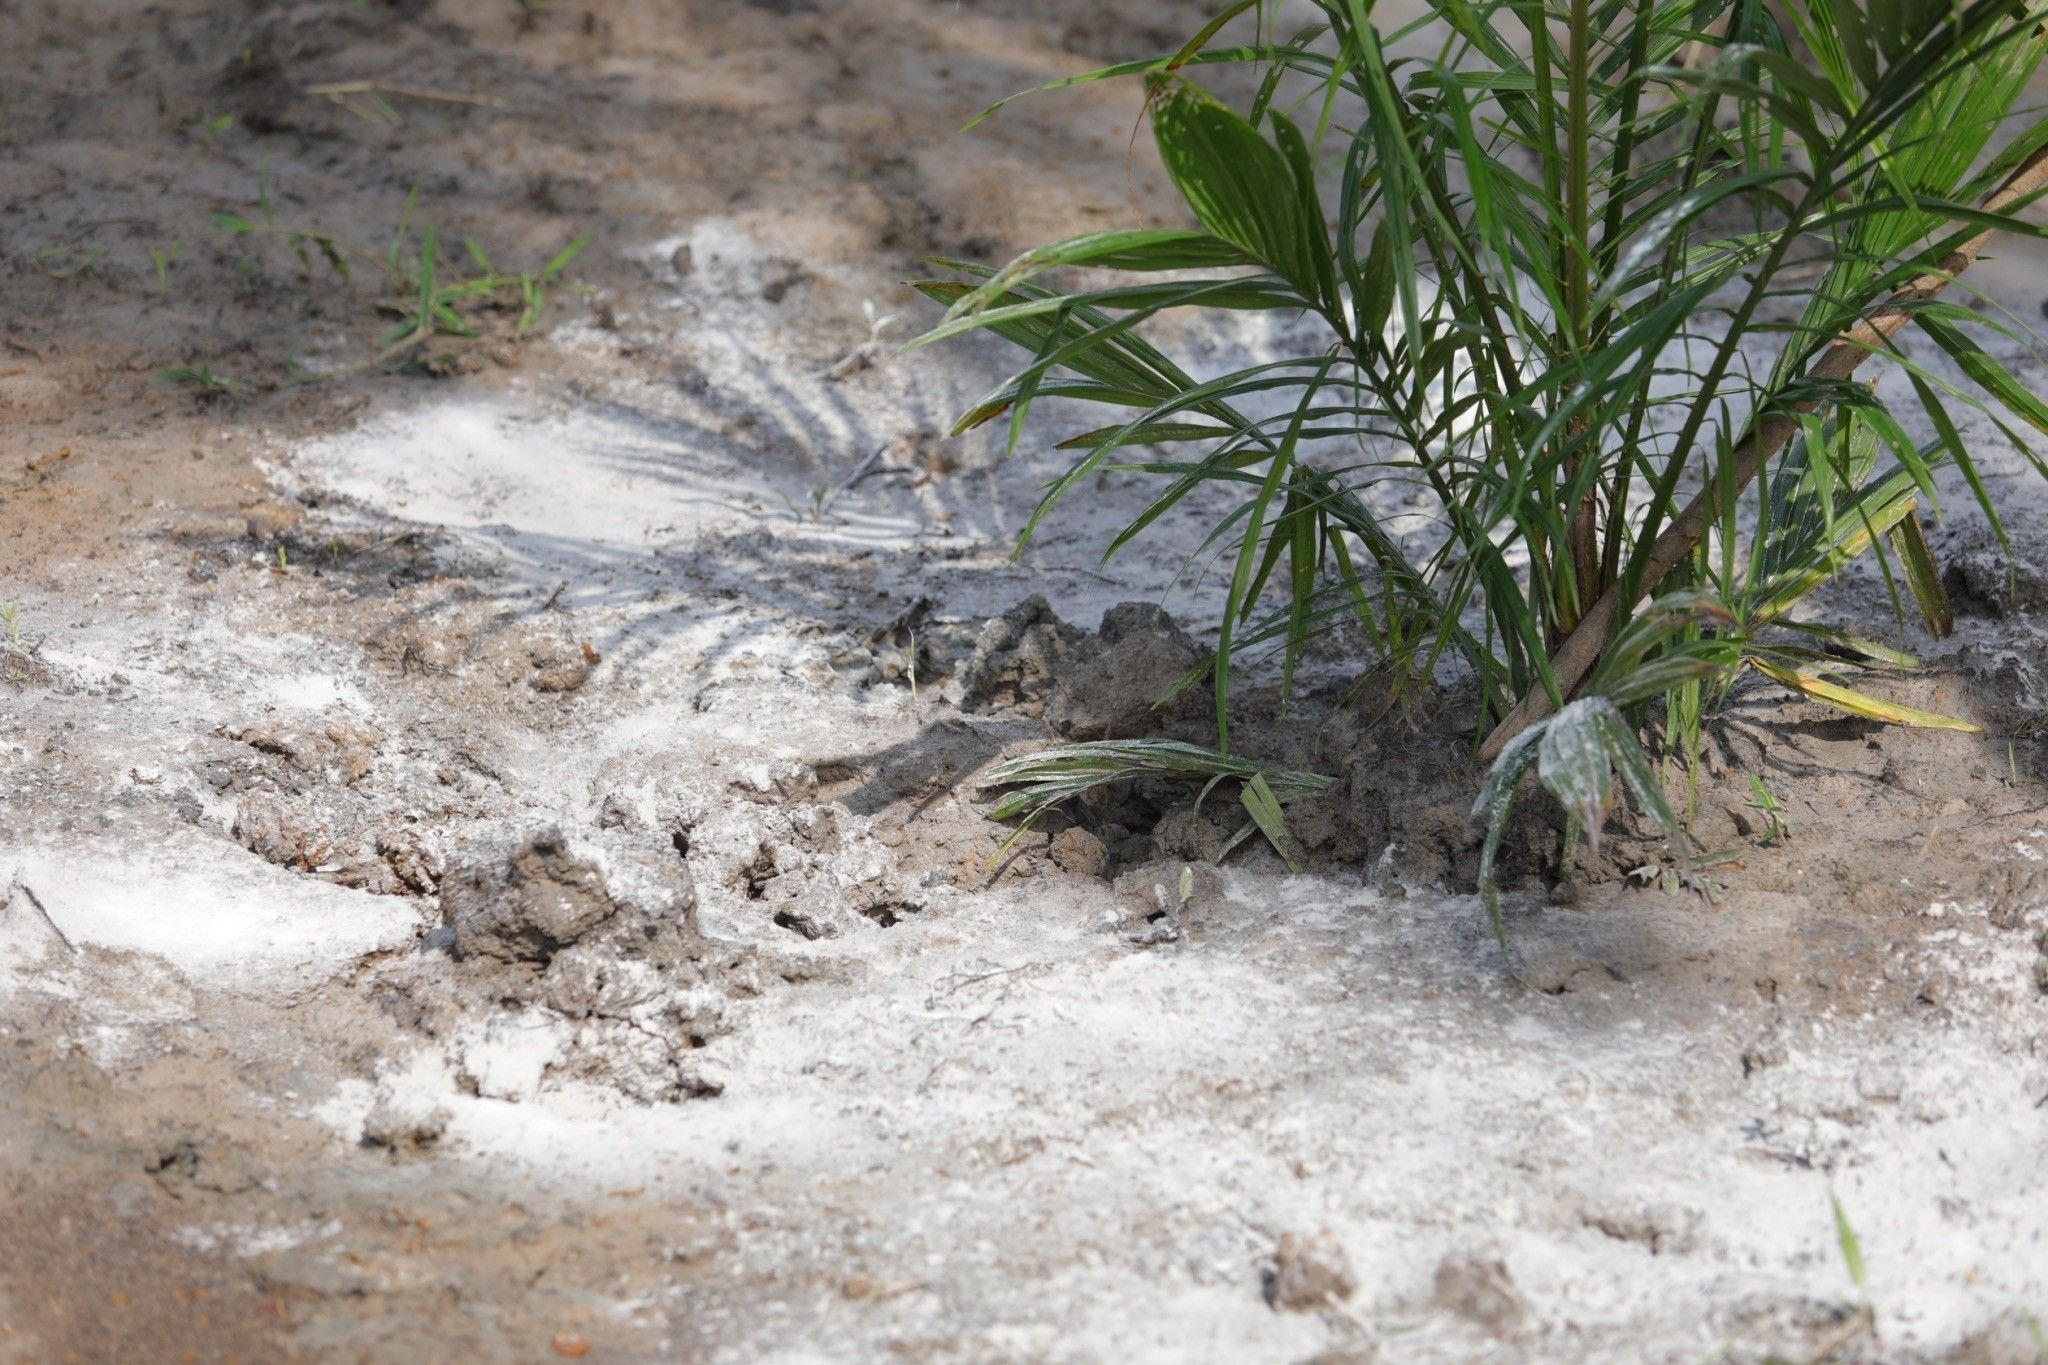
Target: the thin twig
pixel 957 981
pixel 1582 649
pixel 860 471
pixel 865 354
pixel 44 911
pixel 341 89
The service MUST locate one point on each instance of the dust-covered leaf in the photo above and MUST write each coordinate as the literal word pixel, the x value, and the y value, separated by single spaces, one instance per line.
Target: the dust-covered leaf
pixel 1634 766
pixel 1575 766
pixel 1265 811
pixel 1496 802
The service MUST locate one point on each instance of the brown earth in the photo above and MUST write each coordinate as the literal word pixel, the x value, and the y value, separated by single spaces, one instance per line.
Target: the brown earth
pixel 679 613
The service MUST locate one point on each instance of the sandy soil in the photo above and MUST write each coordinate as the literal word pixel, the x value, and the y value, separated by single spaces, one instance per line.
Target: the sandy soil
pixel 493 871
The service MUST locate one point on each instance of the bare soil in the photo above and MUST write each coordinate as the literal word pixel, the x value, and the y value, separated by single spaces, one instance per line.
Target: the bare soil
pixel 493 863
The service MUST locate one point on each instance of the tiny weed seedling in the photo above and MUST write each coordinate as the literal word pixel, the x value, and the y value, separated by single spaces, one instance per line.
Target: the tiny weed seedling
pixel 823 496
pixel 10 617
pixel 162 261
pixel 304 240
pixel 818 498
pixel 200 378
pixel 1851 1247
pixel 367 100
pixel 60 262
pixel 435 292
pixel 394 254
pixel 430 313
pixel 209 130
pixel 1775 830
pixel 1859 1323
pixel 431 297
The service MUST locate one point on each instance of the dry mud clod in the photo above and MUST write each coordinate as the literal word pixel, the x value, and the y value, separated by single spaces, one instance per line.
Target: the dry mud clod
pixel 1310 1273
pixel 520 894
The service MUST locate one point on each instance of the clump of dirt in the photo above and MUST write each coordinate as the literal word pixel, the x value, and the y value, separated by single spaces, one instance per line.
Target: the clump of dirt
pixel 1981 576
pixel 405 1135
pixel 1123 681
pixel 1479 1289
pixel 1017 657
pixel 310 793
pixel 572 956
pixel 600 929
pixel 394 859
pixel 22 666
pixel 524 896
pixel 1310 1273
pixel 1131 682
pixel 334 744
pixel 817 872
pixel 1077 851
pixel 561 669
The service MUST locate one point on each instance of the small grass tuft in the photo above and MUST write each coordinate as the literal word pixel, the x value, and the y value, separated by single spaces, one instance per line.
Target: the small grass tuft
pixel 1761 800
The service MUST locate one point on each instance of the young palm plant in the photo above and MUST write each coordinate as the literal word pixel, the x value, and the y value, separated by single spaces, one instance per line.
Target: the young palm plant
pixel 1582 271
